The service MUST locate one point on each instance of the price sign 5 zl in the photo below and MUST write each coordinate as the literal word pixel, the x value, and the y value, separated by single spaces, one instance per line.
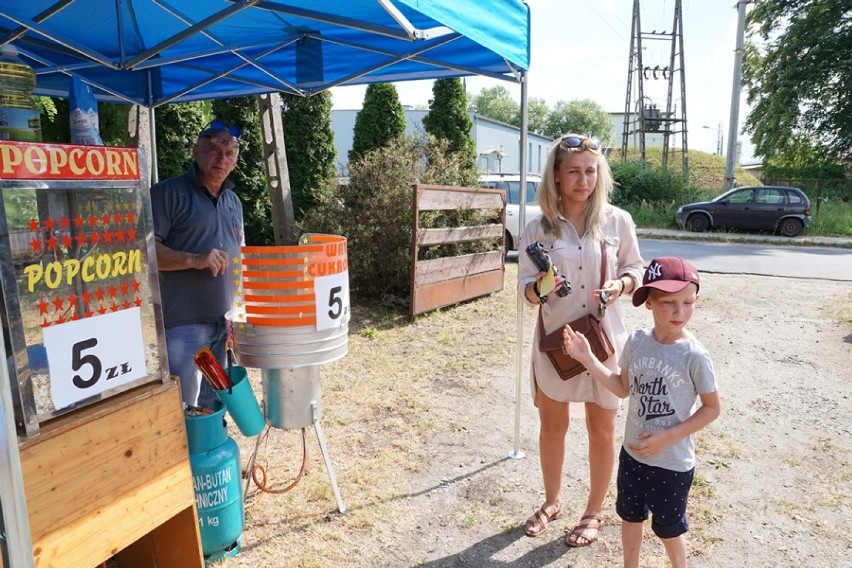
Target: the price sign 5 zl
pixel 92 355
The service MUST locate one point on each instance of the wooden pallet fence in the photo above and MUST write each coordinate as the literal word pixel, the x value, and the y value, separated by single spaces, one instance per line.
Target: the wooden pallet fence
pixel 446 281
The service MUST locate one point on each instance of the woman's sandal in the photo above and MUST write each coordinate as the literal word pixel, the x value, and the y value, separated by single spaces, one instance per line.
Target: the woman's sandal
pixel 538 523
pixel 580 537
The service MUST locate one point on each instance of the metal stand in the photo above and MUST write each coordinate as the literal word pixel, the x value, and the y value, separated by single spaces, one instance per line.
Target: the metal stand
pixel 292 400
pixel 327 459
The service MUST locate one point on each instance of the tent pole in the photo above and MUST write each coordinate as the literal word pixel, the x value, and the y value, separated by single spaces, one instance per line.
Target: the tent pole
pixel 152 131
pixel 522 218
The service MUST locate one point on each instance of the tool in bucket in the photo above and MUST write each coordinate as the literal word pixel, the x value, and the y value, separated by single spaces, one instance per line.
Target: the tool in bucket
pixel 233 388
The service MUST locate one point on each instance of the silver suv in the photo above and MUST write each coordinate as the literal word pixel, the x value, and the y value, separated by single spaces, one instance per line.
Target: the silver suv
pixel 510 183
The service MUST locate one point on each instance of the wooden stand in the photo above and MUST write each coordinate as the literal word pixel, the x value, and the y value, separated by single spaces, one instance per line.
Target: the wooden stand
pixel 114 480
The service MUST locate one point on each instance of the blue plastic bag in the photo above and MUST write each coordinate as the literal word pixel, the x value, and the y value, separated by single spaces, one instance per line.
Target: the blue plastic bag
pixel 84 114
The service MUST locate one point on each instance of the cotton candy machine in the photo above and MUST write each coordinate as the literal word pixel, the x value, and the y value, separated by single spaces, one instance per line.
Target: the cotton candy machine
pixel 294 316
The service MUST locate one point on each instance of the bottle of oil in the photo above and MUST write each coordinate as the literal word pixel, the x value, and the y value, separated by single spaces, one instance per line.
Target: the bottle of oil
pixel 19 117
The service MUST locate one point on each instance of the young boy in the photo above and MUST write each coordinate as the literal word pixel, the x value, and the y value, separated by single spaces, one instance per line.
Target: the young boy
pixel 663 371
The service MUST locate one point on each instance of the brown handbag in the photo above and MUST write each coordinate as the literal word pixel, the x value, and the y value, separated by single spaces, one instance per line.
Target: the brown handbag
pixel 566 366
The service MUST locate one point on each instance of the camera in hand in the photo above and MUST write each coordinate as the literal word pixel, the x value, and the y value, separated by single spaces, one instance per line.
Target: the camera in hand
pixel 542 261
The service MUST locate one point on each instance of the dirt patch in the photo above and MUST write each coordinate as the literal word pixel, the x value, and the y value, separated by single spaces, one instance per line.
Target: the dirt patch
pixel 419 421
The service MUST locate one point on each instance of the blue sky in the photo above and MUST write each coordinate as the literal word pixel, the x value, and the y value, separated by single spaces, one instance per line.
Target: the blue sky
pixel 580 51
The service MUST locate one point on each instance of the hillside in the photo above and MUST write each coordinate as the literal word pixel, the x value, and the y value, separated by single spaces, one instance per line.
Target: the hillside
pixel 707 169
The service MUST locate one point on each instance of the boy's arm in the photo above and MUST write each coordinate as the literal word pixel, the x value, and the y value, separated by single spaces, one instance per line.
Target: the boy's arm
pixel 577 346
pixel 653 441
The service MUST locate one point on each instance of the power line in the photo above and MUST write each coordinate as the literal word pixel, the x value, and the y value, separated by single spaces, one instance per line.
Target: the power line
pixel 603 20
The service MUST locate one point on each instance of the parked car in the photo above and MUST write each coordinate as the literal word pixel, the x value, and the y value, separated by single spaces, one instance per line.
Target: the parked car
pixel 782 210
pixel 511 183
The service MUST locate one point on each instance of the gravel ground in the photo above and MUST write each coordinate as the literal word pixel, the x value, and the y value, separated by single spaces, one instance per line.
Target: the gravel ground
pixel 420 422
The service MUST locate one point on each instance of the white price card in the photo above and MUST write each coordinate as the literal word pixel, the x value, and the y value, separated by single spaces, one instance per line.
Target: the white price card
pixel 89 356
pixel 332 300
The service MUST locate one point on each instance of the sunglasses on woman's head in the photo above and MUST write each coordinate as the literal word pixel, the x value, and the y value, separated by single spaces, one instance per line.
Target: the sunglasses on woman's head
pixel 219 125
pixel 574 142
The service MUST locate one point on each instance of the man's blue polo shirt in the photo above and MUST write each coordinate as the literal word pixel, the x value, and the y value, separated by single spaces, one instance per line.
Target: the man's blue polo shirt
pixel 187 218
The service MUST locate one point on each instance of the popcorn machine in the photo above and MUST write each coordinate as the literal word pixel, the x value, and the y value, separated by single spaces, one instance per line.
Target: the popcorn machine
pixel 79 294
pixel 99 422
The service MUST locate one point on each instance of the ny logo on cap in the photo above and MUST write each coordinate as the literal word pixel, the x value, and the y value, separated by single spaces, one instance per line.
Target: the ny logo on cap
pixel 654 272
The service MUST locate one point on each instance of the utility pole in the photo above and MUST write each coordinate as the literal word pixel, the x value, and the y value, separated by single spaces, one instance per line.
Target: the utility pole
pixel 733 125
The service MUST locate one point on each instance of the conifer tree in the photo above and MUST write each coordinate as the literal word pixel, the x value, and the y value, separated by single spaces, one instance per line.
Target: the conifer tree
pixel 311 154
pixel 249 176
pixel 448 117
pixel 380 121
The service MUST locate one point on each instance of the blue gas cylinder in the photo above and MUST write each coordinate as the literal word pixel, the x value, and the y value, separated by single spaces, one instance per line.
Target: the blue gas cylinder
pixel 214 458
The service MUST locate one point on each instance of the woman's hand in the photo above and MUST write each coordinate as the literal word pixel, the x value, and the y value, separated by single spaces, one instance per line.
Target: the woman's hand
pixel 611 291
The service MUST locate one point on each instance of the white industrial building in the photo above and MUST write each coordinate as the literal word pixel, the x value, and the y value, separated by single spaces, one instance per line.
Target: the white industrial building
pixel 497 144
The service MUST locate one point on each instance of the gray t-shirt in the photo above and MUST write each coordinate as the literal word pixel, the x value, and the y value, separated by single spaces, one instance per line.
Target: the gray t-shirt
pixel 665 381
pixel 187 218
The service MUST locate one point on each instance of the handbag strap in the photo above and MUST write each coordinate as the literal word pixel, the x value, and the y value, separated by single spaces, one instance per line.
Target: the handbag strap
pixel 603 279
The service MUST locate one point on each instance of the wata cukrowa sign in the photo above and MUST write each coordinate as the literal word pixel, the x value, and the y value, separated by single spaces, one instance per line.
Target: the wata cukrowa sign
pixel 294 286
pixel 29 160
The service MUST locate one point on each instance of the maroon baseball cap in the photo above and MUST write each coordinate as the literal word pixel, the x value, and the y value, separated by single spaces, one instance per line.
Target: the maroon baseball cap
pixel 667 273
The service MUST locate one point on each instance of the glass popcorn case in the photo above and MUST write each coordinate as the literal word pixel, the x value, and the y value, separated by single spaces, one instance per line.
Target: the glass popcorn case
pixel 80 300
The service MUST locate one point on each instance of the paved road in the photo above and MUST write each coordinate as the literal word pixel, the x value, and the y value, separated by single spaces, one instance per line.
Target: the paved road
pixel 824 263
pixel 810 257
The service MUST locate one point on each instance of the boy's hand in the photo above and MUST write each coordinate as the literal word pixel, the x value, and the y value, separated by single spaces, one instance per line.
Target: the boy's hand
pixel 650 443
pixel 576 345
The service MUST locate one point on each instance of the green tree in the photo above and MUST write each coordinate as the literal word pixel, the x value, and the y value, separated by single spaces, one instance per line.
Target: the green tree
pixel 311 155
pixel 448 118
pixel 56 127
pixel 380 121
pixel 537 113
pixel 497 104
pixel 178 126
pixel 583 116
pixel 798 71
pixel 249 176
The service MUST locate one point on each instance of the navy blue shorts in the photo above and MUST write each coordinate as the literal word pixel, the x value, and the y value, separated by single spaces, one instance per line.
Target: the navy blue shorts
pixel 644 489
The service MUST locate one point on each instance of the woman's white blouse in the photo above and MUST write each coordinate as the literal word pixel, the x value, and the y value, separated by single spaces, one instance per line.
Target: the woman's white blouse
pixel 578 260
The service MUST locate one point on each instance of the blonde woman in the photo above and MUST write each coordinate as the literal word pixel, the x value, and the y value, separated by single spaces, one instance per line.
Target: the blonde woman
pixel 574 196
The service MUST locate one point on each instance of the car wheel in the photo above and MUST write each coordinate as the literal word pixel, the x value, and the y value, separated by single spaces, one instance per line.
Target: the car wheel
pixel 698 223
pixel 790 227
pixel 510 246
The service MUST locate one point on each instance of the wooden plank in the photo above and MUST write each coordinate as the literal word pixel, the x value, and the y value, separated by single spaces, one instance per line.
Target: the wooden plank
pixel 454 267
pixel 167 545
pixel 451 292
pixel 433 197
pixel 104 532
pixel 426 237
pixel 86 473
pixel 445 281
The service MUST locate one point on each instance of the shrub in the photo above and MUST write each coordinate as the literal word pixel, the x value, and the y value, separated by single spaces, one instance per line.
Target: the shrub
pixel 636 184
pixel 373 210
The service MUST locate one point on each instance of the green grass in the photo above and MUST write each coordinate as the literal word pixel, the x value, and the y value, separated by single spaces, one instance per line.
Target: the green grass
pixel 833 217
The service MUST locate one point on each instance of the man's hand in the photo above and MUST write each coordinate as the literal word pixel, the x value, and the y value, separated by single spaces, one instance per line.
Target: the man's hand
pixel 216 260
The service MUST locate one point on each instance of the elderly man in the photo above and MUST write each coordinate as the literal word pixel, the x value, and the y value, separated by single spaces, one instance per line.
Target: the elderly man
pixel 198 229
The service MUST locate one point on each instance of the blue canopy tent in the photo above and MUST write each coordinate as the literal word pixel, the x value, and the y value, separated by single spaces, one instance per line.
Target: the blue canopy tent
pixel 154 52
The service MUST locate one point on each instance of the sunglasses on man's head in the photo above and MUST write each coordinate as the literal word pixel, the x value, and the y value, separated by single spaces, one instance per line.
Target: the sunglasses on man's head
pixel 219 125
pixel 574 142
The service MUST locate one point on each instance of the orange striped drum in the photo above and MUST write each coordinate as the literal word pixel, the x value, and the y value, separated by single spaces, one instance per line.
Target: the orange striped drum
pixel 293 308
